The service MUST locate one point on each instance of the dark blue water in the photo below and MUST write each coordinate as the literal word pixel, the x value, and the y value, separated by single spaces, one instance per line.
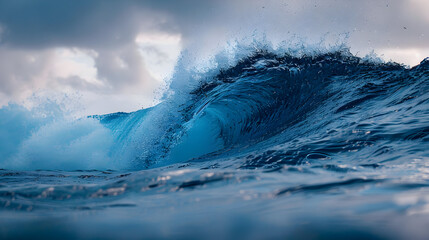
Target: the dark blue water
pixel 302 146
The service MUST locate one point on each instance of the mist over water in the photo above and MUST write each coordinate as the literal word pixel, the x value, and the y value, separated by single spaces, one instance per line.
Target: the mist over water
pixel 305 142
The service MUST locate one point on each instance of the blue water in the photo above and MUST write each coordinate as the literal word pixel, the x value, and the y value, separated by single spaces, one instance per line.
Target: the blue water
pixel 301 145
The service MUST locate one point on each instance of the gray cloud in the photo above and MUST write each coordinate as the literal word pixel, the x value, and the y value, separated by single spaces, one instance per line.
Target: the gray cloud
pixel 62 23
pixel 123 69
pixel 21 71
pixel 96 24
pixel 108 27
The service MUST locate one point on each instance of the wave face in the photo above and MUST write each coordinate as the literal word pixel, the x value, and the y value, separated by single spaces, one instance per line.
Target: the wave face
pixel 274 145
pixel 269 110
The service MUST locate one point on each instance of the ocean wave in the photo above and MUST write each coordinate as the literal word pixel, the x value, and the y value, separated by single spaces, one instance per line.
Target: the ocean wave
pixel 265 110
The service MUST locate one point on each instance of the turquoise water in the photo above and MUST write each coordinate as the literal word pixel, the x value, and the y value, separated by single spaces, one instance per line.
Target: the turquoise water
pixel 322 146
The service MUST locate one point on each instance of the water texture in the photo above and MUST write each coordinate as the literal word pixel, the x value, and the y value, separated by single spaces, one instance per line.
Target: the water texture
pixel 321 145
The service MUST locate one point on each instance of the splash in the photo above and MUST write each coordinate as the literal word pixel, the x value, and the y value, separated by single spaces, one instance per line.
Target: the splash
pixel 268 107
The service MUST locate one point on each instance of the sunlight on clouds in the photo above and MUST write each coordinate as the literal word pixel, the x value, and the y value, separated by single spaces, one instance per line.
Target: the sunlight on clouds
pixel 71 62
pixel 408 56
pixel 160 52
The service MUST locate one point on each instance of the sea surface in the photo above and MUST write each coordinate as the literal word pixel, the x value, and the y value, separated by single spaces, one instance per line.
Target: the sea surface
pixel 290 145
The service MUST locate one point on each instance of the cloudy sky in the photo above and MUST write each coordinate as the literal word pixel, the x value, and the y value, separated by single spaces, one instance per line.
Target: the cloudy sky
pixel 113 55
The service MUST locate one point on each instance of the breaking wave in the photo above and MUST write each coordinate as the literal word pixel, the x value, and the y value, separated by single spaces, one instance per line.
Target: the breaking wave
pixel 263 110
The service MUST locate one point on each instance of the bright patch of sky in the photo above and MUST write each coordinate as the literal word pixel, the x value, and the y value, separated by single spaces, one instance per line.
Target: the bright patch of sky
pixel 160 52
